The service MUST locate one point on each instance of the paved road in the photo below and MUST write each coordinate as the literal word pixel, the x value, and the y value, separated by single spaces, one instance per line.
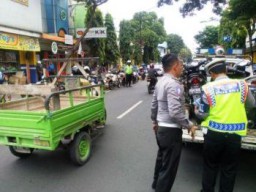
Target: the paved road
pixel 123 158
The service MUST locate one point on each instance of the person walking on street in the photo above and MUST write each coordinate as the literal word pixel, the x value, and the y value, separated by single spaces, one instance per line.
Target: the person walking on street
pixel 168 116
pixel 128 73
pixel 222 106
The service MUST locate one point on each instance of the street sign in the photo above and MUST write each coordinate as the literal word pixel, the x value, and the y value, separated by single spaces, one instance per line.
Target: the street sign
pixel 69 40
pixel 54 48
pixel 96 32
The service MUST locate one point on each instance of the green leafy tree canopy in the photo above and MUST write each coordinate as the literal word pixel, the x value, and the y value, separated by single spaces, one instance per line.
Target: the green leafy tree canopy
pixel 175 43
pixel 208 38
pixel 111 48
pixel 190 6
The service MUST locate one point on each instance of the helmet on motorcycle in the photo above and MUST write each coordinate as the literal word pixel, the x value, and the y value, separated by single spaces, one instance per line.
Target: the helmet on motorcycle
pixel 129 62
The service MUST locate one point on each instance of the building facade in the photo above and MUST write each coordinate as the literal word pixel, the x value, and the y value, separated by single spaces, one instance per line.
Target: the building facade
pixel 27 29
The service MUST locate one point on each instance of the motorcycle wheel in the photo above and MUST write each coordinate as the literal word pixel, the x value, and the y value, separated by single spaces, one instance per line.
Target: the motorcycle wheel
pixel 118 84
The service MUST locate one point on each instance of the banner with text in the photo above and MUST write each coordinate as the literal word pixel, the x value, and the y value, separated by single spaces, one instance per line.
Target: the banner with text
pixel 96 32
pixel 18 42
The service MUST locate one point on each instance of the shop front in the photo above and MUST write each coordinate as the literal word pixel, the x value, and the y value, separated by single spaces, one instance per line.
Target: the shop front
pixel 45 42
pixel 17 55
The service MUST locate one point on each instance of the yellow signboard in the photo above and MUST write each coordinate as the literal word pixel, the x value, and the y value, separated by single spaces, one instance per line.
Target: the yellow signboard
pixel 18 42
pixel 23 2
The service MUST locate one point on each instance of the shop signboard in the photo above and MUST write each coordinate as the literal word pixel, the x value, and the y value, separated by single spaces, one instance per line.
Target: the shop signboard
pixel 54 48
pixel 69 40
pixel 96 32
pixel 18 42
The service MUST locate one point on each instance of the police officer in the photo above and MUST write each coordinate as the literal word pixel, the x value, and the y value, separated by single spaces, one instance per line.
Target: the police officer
pixel 222 106
pixel 128 73
pixel 168 116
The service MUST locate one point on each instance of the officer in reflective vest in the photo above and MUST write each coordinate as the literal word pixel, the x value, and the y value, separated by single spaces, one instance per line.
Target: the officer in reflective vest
pixel 222 106
pixel 128 73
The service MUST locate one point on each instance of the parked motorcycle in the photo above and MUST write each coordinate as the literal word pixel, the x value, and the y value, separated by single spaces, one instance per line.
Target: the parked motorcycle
pixel 193 78
pixel 142 74
pixel 121 76
pixel 111 80
pixel 135 77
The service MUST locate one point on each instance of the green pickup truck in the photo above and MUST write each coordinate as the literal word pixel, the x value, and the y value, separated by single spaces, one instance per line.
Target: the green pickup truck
pixel 70 118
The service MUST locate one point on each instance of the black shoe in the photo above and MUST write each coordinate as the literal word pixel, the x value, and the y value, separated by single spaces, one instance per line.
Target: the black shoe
pixel 154 185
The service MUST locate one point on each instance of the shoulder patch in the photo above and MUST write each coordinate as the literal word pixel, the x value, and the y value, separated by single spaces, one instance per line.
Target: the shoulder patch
pixel 178 90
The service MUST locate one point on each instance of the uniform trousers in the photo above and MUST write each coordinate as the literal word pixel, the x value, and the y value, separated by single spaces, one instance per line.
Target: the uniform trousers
pixel 169 141
pixel 221 151
pixel 128 79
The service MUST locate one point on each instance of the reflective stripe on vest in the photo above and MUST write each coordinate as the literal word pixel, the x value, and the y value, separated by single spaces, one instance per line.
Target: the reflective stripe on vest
pixel 227 113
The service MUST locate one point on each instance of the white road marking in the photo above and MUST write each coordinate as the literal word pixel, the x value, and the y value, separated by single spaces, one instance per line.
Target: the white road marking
pixel 129 110
pixel 107 91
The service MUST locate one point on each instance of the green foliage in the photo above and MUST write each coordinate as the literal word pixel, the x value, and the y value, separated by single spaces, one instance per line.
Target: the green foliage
pixel 95 47
pixel 125 38
pixel 208 38
pixel 144 32
pixel 92 2
pixel 185 54
pixel 190 6
pixel 243 14
pixel 232 29
pixel 111 49
pixel 175 43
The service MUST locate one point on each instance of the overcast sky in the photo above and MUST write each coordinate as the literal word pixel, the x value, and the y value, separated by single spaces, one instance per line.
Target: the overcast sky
pixel 187 27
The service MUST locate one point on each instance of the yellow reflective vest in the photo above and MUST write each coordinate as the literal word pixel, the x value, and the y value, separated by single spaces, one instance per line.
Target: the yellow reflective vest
pixel 227 112
pixel 128 69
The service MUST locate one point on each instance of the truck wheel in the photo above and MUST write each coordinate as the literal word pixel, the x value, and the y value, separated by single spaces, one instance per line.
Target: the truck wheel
pixel 21 152
pixel 80 148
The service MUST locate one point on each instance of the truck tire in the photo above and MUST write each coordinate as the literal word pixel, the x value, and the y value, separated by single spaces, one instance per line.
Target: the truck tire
pixel 80 148
pixel 14 150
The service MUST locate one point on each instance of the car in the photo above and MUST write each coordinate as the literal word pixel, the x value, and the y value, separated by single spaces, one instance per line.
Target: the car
pixel 160 72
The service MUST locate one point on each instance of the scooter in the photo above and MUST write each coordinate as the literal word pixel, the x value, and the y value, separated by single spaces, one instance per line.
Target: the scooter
pixel 111 80
pixel 151 83
pixel 121 77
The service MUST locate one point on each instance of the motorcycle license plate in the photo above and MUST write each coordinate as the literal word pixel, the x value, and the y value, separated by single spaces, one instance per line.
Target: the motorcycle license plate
pixel 194 91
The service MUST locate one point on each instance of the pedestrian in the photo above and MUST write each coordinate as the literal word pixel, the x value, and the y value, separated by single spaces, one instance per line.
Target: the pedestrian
pixel 51 69
pixel 168 116
pixel 39 70
pixel 128 73
pixel 222 106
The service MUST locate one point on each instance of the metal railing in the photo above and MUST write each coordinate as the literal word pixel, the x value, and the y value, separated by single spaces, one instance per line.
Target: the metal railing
pixel 88 90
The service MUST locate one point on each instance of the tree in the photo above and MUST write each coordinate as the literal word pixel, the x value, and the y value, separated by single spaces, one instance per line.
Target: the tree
pixel 95 47
pixel 208 38
pixel 243 12
pixel 190 6
pixel 175 43
pixel 125 38
pixel 185 54
pixel 111 49
pixel 231 33
pixel 147 32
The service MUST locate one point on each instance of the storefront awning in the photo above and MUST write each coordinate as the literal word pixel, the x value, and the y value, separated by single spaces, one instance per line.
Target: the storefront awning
pixel 18 42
